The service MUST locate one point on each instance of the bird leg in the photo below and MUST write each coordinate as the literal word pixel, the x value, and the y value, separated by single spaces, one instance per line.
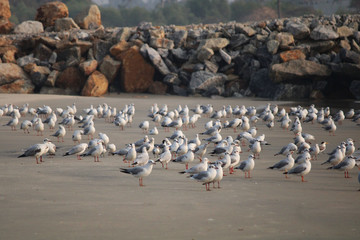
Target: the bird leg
pixel 37 162
pixel 78 157
pixel 141 182
pixel 166 167
pixel 302 179
pixel 186 166
pixel 218 184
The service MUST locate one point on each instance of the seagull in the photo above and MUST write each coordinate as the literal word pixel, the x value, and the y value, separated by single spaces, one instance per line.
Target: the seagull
pixel 165 157
pixel 140 171
pixel 201 150
pixel 203 166
pixel 141 158
pixel 219 174
pixel 347 164
pixel 90 130
pixel 78 150
pixel 131 154
pixel 225 161
pixel 206 177
pixel 302 169
pixel 37 151
pixel 95 151
pixel 185 159
pixel 112 148
pixel 291 147
pixel 215 138
pixel 314 151
pixel 25 125
pixel 350 114
pixel 13 123
pixel 154 131
pixel 256 148
pixel 331 128
pixel 76 137
pixel 144 126
pixel 336 157
pixel 39 126
pixel 285 164
pixel 247 165
pixel 60 133
pixel 302 157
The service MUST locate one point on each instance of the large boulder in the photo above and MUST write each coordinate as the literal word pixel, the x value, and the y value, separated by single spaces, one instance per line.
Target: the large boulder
pixel 261 85
pixel 90 18
pixel 136 73
pixel 65 24
pixel 96 85
pixel 5 12
pixel 298 70
pixel 110 68
pixel 88 67
pixel 29 27
pixel 5 26
pixel 13 79
pixel 298 30
pixel 49 12
pixel 202 81
pixel 71 78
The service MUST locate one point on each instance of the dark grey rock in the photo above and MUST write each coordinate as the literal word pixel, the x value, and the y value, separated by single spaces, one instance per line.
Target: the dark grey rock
pixel 261 84
pixel 291 91
pixel 180 91
pixel 101 49
pixel 172 79
pixel 157 61
pixel 26 60
pixel 349 56
pixel 355 88
pixel 323 33
pixel 298 30
pixel 42 52
pixel 202 80
pixel 179 54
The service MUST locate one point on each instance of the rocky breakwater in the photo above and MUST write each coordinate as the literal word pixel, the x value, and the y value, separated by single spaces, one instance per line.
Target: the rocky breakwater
pixel 305 57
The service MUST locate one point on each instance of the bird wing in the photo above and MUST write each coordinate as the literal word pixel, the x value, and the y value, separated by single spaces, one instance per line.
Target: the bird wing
pixel 298 169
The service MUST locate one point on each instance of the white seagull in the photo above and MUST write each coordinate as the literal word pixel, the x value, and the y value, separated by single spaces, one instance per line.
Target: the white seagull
pixel 140 171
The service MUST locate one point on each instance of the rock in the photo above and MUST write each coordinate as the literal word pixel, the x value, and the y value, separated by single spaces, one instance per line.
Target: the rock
pixel 51 79
pixel 345 31
pixel 181 91
pixel 248 31
pixel 210 66
pixel 29 27
pixel 172 79
pixel 5 12
pixel 291 91
pixel 355 88
pixel 298 30
pixel 96 85
pixel 118 48
pixel 6 26
pixel 136 74
pixel 179 54
pixel 90 18
pixel 272 46
pixel 323 33
pixel 285 39
pixel 261 84
pixel 214 43
pixel 123 34
pixel 26 60
pixel 101 49
pixel 238 40
pixel 179 37
pixel 88 67
pixel 161 43
pixel 158 88
pixel 349 56
pixel 110 68
pixel 292 55
pixel 157 61
pixel 297 70
pixel 249 49
pixel 49 12
pixel 42 52
pixel 320 46
pixel 70 55
pixel 345 44
pixel 65 24
pixel 204 54
pixel 71 78
pixel 226 57
pixel 202 80
pixel 39 74
pixel 355 46
pixel 13 79
pixel 8 53
pixel 214 91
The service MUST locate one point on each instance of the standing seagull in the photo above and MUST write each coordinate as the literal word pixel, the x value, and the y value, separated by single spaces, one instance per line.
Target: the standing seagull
pixel 347 164
pixel 13 123
pixel 140 171
pixel 302 169
pixel 285 164
pixel 247 165
pixel 186 158
pixel 165 157
pixel 144 126
pixel 37 151
pixel 60 133
pixel 95 151
pixel 78 150
pixel 206 177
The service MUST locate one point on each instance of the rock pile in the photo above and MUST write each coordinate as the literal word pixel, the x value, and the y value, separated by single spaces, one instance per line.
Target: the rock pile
pixel 305 57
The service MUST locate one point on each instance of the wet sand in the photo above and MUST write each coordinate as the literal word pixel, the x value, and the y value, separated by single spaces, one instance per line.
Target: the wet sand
pixel 65 198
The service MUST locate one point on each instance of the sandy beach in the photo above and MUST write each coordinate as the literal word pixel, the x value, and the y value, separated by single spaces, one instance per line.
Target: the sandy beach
pixel 66 198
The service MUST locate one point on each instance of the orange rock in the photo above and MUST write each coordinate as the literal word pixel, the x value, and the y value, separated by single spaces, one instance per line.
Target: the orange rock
pixel 5 12
pixel 49 12
pixel 8 53
pixel 118 48
pixel 136 73
pixel 88 67
pixel 18 86
pixel 71 78
pixel 90 18
pixel 96 85
pixel 13 79
pixel 6 26
pixel 292 55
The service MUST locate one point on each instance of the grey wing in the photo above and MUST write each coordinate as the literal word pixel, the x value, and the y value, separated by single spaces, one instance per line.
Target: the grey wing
pixel 241 166
pixel 135 170
pixel 340 165
pixel 74 150
pixel 297 170
pixel 32 150
pixel 280 164
pixel 200 175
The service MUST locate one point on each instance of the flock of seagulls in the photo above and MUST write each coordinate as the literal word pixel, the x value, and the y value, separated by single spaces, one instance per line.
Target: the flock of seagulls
pixel 213 141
